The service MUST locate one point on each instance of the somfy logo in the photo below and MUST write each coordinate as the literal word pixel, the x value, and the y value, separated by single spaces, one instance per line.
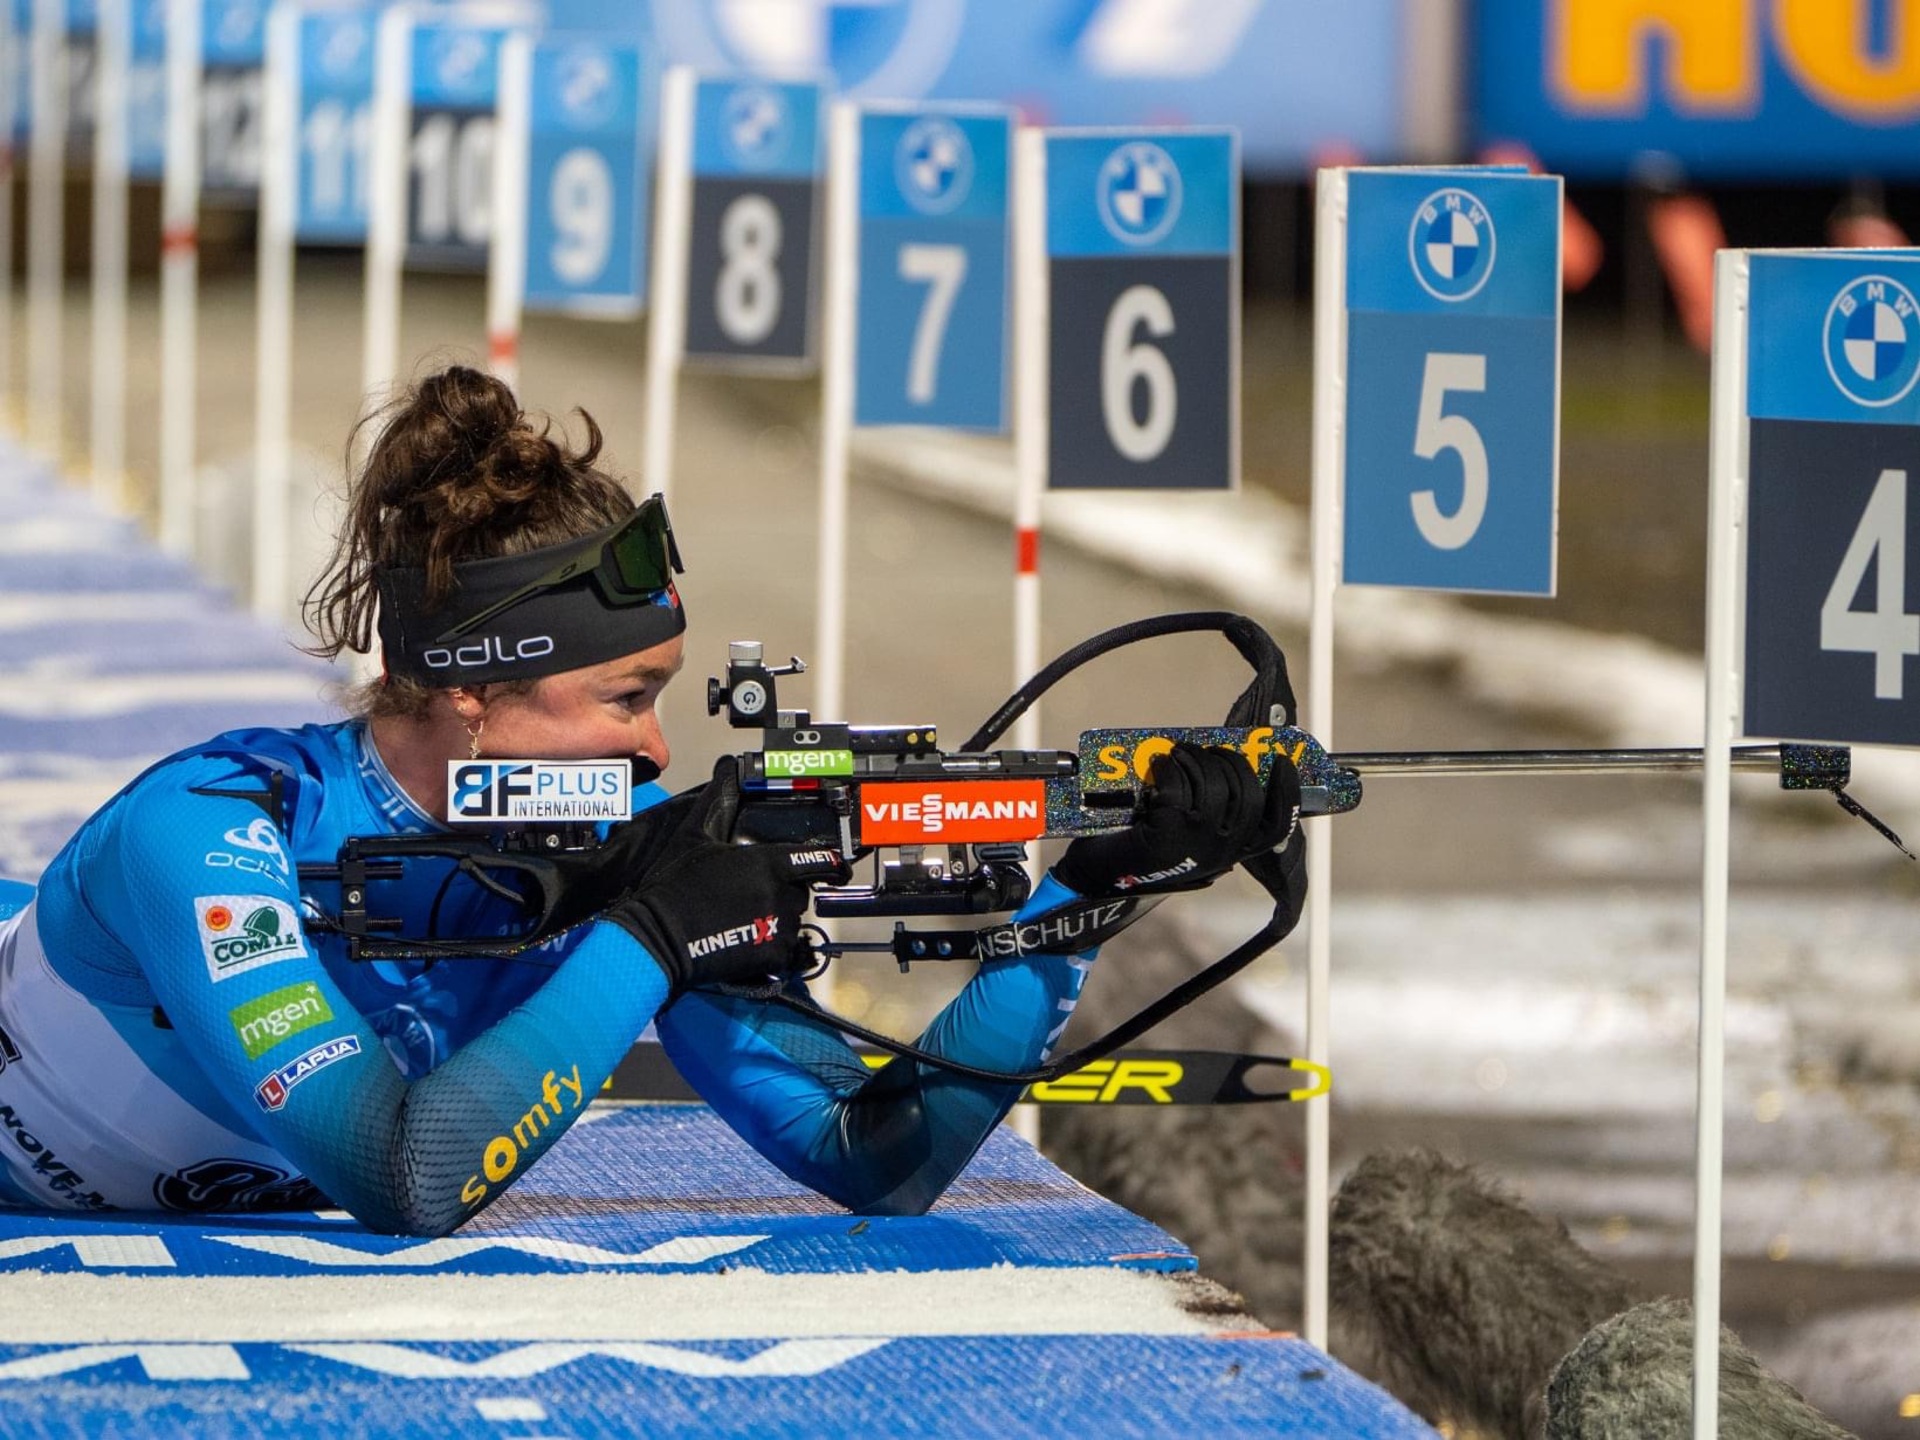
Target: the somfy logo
pixel 1140 193
pixel 1451 244
pixel 1871 349
pixel 933 164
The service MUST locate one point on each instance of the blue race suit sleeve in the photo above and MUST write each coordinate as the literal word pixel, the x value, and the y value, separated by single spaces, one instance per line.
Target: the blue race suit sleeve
pixel 886 1141
pixel 414 1157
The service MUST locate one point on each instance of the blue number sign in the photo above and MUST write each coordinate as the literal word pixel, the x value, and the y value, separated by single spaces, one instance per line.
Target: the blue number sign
pixel 1833 497
pixel 932 319
pixel 1143 261
pixel 147 91
pixel 587 178
pixel 455 77
pixel 756 189
pixel 83 59
pixel 233 44
pixel 333 125
pixel 1452 380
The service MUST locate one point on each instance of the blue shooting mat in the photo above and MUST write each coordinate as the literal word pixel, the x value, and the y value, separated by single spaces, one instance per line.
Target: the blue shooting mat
pixel 646 1187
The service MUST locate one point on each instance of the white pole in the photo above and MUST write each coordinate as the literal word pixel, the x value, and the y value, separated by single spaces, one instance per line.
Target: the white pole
pixel 108 446
pixel 46 241
pixel 386 209
pixel 507 254
pixel 1727 468
pixel 1030 380
pixel 836 404
pixel 1329 464
pixel 179 275
pixel 9 43
pixel 672 235
pixel 273 351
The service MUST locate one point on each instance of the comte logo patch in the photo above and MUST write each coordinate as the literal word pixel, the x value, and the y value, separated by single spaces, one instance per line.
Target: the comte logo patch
pixel 239 933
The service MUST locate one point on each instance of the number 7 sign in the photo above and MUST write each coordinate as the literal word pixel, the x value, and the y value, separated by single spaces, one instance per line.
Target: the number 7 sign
pixel 931 277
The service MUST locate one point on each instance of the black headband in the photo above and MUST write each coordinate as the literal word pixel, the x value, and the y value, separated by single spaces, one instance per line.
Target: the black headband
pixel 561 627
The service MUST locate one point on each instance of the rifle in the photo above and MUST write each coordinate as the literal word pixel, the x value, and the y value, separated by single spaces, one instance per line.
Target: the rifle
pixel 947 831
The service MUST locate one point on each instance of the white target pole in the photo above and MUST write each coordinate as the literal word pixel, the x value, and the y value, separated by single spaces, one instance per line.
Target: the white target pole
pixel 179 276
pixel 1329 462
pixel 45 232
pixel 1030 330
pixel 507 254
pixel 672 235
pixel 386 208
pixel 836 404
pixel 1726 504
pixel 107 450
pixel 273 350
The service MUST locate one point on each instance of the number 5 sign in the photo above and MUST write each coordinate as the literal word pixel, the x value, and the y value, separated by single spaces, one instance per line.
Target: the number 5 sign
pixel 1137 276
pixel 1832 609
pixel 1450 334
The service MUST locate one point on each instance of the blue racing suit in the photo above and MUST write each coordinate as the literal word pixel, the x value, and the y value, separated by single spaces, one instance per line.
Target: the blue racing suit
pixel 175 1033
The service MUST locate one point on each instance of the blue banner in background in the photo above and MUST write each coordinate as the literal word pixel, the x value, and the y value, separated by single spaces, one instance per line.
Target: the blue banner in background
pixel 1787 89
pixel 1297 78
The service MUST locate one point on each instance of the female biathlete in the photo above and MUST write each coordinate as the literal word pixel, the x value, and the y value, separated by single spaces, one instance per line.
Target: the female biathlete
pixel 180 1029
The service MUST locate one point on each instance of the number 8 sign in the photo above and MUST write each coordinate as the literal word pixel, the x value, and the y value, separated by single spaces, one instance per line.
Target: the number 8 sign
pixel 1142 279
pixel 1832 627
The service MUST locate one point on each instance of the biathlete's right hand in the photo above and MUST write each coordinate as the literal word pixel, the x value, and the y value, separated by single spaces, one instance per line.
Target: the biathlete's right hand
pixel 715 913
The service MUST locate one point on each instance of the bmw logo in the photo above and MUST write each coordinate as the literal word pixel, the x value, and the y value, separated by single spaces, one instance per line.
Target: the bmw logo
pixel 755 124
pixel 934 164
pixel 1451 244
pixel 587 90
pixel 1139 193
pixel 343 45
pixel 459 61
pixel 892 48
pixel 1873 340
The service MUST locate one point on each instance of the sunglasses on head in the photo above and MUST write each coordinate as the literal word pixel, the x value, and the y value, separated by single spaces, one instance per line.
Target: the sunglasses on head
pixel 630 564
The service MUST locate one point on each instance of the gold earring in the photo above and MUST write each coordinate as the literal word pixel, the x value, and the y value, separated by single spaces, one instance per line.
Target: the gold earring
pixel 474 728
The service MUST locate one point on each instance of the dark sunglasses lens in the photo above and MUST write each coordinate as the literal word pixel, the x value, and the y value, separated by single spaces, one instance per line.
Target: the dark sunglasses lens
pixel 642 551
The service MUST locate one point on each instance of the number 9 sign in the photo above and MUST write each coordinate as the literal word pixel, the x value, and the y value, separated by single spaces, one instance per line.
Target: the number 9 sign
pixel 1142 278
pixel 587 178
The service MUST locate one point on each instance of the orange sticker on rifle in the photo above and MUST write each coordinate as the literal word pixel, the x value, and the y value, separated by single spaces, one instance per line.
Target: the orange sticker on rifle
pixel 956 812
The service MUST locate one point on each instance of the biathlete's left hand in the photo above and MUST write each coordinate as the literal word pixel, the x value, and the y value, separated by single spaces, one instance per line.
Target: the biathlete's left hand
pixel 1204 812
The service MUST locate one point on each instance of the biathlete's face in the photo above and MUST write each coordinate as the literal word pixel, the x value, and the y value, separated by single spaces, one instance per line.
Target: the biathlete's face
pixel 595 713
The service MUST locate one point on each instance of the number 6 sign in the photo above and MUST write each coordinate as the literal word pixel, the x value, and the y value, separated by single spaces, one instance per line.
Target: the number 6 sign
pixel 1141 264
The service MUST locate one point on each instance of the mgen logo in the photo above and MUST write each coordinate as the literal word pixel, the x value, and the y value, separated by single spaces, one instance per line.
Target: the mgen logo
pixel 958 812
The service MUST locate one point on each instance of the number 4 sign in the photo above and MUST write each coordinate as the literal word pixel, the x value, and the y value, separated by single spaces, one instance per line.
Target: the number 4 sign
pixel 1832 609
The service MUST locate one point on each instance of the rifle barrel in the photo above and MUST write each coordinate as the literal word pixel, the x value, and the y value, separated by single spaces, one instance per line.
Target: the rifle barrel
pixel 1552 762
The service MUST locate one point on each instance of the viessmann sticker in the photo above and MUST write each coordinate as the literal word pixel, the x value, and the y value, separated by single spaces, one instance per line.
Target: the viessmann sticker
pixel 964 812
pixel 239 933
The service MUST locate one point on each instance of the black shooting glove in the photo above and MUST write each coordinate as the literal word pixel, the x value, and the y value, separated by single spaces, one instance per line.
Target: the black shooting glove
pixel 1204 812
pixel 716 913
